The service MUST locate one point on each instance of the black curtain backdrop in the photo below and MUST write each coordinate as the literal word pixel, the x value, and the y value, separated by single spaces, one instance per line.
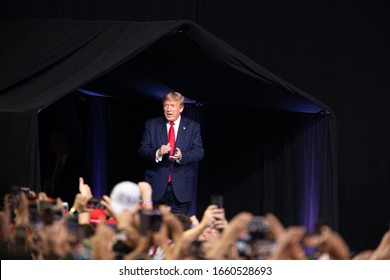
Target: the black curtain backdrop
pixel 336 50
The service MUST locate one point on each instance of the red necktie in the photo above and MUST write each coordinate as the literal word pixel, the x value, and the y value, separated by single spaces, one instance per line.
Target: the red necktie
pixel 171 138
pixel 171 141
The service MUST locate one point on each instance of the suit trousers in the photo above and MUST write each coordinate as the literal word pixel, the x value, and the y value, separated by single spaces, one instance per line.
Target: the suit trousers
pixel 170 199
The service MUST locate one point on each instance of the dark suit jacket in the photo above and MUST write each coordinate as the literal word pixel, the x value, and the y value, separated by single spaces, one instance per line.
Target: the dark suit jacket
pixel 68 184
pixel 189 141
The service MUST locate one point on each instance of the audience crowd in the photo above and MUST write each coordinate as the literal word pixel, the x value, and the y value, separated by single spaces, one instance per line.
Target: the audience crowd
pixel 125 225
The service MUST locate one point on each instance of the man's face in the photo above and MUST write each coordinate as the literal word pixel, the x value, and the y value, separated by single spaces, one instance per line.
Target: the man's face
pixel 172 110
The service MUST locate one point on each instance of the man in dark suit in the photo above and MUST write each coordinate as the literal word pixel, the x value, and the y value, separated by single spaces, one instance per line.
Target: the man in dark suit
pixel 63 169
pixel 171 160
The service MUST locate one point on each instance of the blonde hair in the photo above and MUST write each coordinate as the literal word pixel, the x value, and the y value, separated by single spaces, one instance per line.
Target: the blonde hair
pixel 173 95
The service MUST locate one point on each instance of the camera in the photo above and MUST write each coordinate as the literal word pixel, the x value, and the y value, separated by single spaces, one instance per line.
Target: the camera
pixel 14 191
pixel 259 243
pixel 49 211
pixel 94 203
pixel 150 220
pixel 258 228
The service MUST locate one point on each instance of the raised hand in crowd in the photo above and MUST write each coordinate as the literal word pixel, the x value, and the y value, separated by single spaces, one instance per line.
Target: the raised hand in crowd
pixel 146 195
pixel 203 229
pixel 207 230
pixel 288 246
pixel 5 220
pixel 102 242
pixel 174 231
pixel 287 240
pixel 327 243
pixel 333 244
pixel 225 247
pixel 382 252
pixel 81 199
pixel 56 240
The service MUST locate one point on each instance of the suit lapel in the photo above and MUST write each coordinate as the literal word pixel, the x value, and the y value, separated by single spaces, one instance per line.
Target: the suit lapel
pixel 162 128
pixel 181 132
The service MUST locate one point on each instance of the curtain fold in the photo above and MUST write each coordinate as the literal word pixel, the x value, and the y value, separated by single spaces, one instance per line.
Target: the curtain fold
pixel 97 131
pixel 281 164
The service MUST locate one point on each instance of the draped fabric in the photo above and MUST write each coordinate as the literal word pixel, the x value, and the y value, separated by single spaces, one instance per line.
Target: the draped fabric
pixel 282 166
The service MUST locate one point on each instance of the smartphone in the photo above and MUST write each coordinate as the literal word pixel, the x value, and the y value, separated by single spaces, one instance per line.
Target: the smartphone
pixel 217 200
pixel 150 221
pixel 262 240
pixel 14 191
pixel 28 192
pixel 258 228
pixel 94 203
pixel 50 211
pixel 45 204
pixel 65 208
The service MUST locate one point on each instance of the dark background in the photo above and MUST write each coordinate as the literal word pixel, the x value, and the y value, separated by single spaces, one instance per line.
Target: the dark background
pixel 337 51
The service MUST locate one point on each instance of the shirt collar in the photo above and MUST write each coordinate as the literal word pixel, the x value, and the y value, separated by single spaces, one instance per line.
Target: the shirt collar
pixel 177 122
